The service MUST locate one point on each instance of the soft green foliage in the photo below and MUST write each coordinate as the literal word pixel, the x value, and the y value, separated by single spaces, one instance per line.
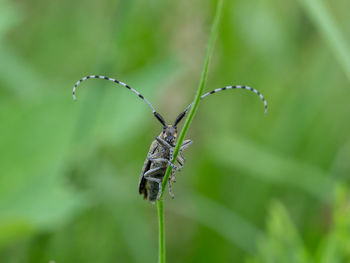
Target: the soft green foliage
pixel 283 242
pixel 335 247
pixel 329 30
pixel 254 187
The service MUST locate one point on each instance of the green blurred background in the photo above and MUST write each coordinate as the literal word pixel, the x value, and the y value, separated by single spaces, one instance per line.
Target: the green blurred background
pixel 255 188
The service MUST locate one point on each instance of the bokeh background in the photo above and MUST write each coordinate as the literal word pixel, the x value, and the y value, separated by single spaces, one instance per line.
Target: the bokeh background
pixel 255 188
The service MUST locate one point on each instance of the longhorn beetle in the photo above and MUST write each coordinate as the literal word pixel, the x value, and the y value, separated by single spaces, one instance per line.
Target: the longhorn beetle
pixel 160 154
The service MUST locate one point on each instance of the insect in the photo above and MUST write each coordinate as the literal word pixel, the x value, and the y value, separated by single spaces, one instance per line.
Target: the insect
pixel 160 154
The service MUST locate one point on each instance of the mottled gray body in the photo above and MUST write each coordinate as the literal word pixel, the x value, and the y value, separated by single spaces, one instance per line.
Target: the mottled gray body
pixel 150 189
pixel 158 158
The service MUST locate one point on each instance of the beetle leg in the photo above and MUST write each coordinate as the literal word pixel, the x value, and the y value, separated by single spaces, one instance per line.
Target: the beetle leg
pixel 151 172
pixel 185 144
pixel 173 178
pixel 181 161
pixel 182 157
pixel 164 143
pixel 157 155
pixel 171 188
pixel 163 160
pixel 166 146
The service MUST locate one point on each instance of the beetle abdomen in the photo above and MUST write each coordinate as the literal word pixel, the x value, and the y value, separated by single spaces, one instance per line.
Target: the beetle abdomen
pixel 153 187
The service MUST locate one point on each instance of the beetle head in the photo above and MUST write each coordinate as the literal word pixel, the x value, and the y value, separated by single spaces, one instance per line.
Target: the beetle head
pixel 169 134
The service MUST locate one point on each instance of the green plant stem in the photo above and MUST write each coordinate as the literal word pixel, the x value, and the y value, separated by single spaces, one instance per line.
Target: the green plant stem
pixel 213 35
pixel 197 98
pixel 161 257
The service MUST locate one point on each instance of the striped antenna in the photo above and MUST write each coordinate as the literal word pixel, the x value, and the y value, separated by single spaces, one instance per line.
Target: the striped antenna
pixel 156 114
pixel 182 114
